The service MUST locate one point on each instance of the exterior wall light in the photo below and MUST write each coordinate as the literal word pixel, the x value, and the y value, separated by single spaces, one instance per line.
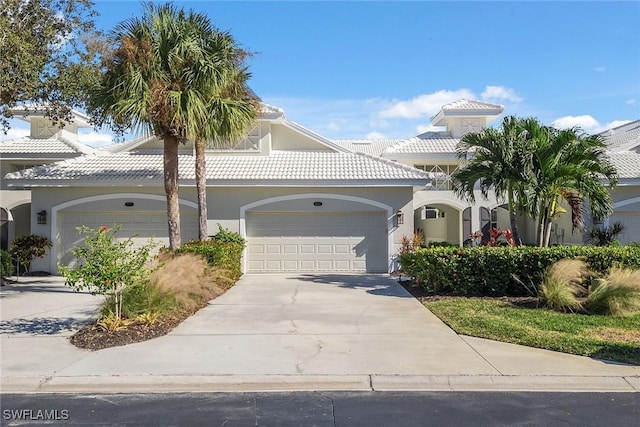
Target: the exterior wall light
pixel 42 217
pixel 399 217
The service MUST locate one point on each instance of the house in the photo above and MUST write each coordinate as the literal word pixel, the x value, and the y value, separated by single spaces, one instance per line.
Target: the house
pixel 624 150
pixel 439 214
pixel 46 143
pixel 303 202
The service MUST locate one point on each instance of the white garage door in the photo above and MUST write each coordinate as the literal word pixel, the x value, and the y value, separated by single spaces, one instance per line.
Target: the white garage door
pixel 631 221
pixel 339 241
pixel 143 224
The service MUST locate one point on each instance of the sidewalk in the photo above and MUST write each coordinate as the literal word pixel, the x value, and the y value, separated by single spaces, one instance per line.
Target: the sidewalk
pixel 279 332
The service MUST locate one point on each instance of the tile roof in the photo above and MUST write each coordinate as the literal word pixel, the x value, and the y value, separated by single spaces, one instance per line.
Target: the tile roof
pixel 430 143
pixel 38 148
pixel 292 167
pixel 623 137
pixel 374 147
pixel 627 163
pixel 472 104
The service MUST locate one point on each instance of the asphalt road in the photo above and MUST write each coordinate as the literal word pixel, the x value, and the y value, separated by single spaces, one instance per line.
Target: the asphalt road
pixel 324 409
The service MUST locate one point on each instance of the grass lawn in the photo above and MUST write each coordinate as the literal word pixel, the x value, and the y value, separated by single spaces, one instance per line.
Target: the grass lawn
pixel 603 337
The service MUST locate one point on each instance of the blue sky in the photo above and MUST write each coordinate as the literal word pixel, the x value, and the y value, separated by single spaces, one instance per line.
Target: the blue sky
pixel 382 69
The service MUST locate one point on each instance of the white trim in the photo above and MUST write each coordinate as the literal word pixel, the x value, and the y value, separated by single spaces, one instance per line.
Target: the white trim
pixel 451 203
pixel 626 202
pixel 17 203
pixel 389 209
pixel 55 237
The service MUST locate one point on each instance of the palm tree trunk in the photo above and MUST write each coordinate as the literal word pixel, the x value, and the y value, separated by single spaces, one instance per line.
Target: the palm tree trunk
pixel 549 222
pixel 541 222
pixel 171 189
pixel 201 187
pixel 513 218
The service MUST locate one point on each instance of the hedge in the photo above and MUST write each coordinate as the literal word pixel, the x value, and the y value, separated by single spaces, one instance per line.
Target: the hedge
pixel 490 271
pixel 220 254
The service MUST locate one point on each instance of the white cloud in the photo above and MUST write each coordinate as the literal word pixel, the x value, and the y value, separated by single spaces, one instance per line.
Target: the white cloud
pixel 424 105
pixel 587 123
pixel 615 124
pixel 601 69
pixel 500 93
pixel 95 139
pixel 631 102
pixel 375 135
pixel 14 133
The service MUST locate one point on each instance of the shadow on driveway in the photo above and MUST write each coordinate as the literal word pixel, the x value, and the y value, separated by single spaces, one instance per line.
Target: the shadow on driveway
pixel 43 325
pixel 375 284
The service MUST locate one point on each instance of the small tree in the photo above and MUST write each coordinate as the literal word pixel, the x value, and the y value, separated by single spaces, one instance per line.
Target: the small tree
pixel 105 265
pixel 28 248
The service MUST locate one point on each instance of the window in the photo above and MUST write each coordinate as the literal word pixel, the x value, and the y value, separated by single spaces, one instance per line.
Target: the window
pixel 442 175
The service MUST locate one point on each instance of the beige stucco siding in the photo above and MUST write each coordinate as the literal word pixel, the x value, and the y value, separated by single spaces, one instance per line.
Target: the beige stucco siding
pixel 225 206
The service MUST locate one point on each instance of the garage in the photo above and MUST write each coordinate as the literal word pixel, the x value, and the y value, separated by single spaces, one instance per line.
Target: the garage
pixel 631 222
pixel 316 242
pixel 144 224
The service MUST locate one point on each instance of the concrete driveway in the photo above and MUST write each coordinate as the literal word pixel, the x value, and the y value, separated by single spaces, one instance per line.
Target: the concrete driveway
pixel 303 331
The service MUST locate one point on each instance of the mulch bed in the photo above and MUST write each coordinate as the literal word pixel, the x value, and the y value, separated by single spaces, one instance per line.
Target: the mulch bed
pixel 422 295
pixel 94 337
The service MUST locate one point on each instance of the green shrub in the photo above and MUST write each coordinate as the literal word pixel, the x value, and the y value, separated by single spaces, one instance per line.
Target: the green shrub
pixel 28 248
pixel 107 266
pixel 228 236
pixel 6 264
pixel 141 298
pixel 218 253
pixel 498 271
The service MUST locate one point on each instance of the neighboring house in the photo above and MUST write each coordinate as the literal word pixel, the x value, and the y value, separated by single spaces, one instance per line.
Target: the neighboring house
pixel 45 144
pixel 439 214
pixel 624 151
pixel 303 202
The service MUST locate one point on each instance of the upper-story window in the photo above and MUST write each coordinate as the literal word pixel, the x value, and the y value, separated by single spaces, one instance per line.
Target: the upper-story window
pixel 249 142
pixel 442 175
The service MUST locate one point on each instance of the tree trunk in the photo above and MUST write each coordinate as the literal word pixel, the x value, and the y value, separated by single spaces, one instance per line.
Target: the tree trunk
pixel 201 187
pixel 171 189
pixel 513 218
pixel 547 232
pixel 541 222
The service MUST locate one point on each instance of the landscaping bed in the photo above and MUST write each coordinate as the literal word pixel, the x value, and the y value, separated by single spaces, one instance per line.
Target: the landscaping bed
pixel 520 320
pixel 94 337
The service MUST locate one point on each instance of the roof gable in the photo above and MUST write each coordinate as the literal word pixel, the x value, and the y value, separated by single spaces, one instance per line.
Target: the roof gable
pixel 624 137
pixel 33 148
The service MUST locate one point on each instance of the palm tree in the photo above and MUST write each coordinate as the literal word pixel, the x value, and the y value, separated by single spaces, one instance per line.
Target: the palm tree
pixel 498 159
pixel 232 110
pixel 165 77
pixel 571 166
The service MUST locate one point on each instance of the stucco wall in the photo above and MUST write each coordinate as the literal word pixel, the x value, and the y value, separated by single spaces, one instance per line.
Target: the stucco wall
pixel 223 204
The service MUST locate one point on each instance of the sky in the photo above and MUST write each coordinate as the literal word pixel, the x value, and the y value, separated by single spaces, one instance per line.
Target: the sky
pixel 356 69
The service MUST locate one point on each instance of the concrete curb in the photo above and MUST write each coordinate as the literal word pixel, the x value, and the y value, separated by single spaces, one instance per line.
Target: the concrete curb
pixel 275 383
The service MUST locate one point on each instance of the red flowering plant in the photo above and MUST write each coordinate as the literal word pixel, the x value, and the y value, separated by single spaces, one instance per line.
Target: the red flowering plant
pixel 495 234
pixel 106 265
